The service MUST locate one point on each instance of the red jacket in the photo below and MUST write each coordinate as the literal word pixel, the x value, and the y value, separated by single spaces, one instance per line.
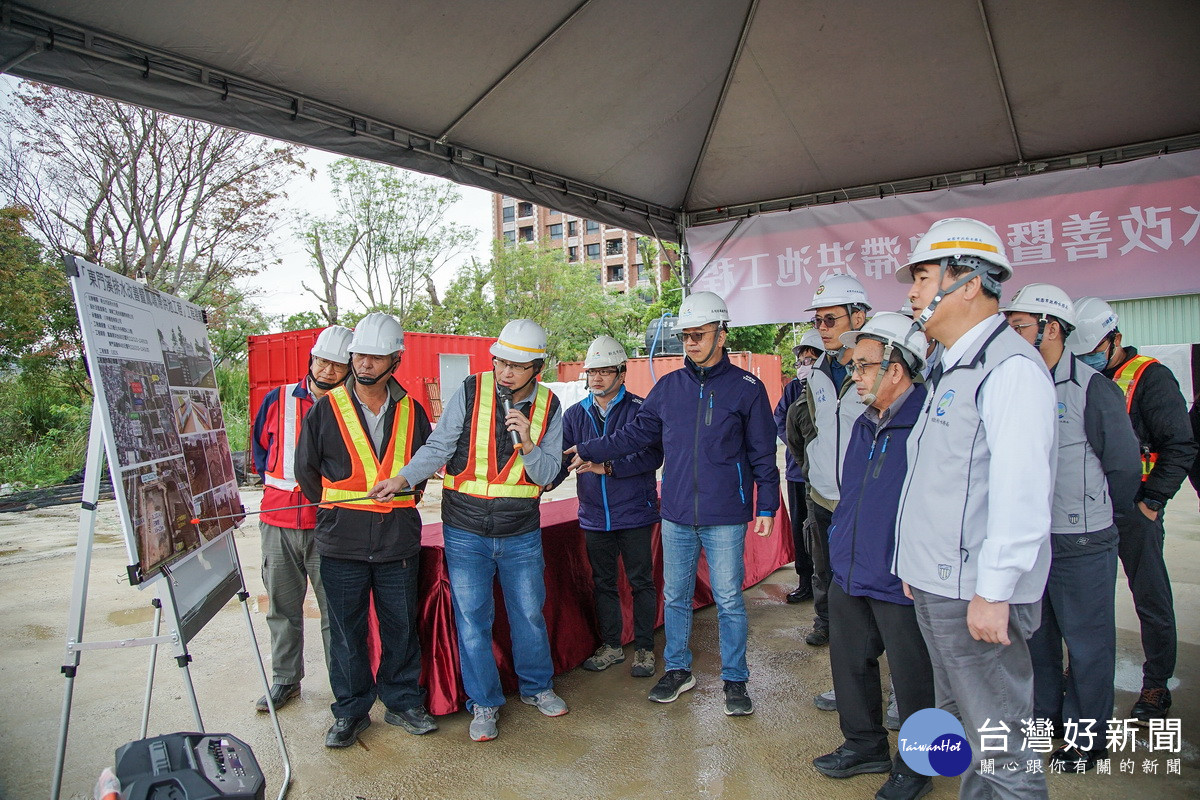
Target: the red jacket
pixel 269 447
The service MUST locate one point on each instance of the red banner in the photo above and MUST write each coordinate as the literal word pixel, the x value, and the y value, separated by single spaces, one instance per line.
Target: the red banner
pixel 1119 232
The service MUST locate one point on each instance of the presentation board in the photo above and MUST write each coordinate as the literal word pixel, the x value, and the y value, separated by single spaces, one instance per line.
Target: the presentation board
pixel 164 434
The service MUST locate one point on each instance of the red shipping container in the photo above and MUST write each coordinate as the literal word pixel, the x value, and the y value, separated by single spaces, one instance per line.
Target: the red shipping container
pixel 637 377
pixel 431 368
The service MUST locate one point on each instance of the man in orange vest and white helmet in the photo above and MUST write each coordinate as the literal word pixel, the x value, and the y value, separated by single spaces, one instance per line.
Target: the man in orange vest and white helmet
pixel 500 437
pixel 1159 414
pixel 289 554
pixel 354 436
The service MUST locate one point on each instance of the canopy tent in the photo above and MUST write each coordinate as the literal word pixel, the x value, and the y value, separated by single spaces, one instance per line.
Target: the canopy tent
pixel 652 115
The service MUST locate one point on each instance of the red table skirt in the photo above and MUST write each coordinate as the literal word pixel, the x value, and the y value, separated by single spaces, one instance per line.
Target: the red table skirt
pixel 569 610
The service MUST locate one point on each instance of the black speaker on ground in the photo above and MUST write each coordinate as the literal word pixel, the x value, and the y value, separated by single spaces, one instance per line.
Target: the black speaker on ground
pixel 189 766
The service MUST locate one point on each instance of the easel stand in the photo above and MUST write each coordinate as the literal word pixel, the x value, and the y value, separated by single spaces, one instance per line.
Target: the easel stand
pixel 179 632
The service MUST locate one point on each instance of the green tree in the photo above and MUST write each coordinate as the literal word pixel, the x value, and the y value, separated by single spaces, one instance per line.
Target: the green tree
pixel 304 320
pixel 539 284
pixel 40 334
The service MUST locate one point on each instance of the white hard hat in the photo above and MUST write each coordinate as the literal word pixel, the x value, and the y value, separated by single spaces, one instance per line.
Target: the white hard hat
pixel 839 290
pixel 521 342
pixel 1094 319
pixel 891 327
pixel 333 344
pixel 604 351
pixel 377 334
pixel 702 308
pixel 810 339
pixel 1043 298
pixel 960 238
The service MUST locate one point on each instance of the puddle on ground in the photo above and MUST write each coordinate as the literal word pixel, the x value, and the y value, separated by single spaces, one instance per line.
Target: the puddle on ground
pixel 9 552
pixel 109 538
pixel 132 616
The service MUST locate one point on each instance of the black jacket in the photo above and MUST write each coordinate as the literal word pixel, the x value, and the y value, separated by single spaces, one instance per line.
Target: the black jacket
pixel 1160 420
pixel 342 532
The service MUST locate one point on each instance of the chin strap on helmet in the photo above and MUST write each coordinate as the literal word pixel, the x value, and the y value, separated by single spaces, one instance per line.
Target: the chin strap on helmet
pixel 873 395
pixel 978 267
pixel 324 386
pixel 381 376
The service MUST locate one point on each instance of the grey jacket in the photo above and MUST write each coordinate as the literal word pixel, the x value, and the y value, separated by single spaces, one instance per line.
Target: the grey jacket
pixel 1099 464
pixel 942 520
pixel 834 410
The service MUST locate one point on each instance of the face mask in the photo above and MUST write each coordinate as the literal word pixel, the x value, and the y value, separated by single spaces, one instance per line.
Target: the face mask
pixel 803 371
pixel 1097 361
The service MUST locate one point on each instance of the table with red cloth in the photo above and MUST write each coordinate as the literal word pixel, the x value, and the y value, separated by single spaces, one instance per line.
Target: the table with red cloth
pixel 569 610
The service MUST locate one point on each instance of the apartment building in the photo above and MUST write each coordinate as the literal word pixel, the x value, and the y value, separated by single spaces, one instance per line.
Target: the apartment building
pixel 613 250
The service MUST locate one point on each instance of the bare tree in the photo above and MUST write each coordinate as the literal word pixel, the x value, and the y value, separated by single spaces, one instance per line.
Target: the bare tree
pixel 395 223
pixel 317 235
pixel 185 205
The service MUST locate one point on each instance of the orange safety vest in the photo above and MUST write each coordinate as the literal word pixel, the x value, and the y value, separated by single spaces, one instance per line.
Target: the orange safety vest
pixel 1127 379
pixel 282 474
pixel 481 477
pixel 366 468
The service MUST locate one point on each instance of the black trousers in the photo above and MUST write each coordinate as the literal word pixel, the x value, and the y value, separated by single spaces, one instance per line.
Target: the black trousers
pixel 861 629
pixel 818 548
pixel 633 547
pixel 1141 553
pixel 797 503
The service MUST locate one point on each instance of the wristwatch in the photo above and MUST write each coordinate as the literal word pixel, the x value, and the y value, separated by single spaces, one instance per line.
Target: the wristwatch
pixel 1154 505
pixel 608 468
pixel 992 602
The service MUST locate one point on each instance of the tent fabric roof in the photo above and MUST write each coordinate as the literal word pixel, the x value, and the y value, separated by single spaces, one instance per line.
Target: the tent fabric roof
pixel 648 114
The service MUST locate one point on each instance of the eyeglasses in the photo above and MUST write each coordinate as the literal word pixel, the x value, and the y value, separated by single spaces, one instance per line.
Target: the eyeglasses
pixel 827 321
pixel 322 363
pixel 1018 327
pixel 807 361
pixel 602 372
pixel 697 337
pixel 860 367
pixel 501 364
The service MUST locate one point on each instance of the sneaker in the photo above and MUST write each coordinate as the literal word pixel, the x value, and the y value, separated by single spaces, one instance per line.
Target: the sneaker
pixel 281 695
pixel 844 763
pixel 826 701
pixel 817 637
pixel 737 702
pixel 547 702
pixel 345 730
pixel 643 664
pixel 1152 704
pixel 415 720
pixel 673 683
pixel 904 787
pixel 604 657
pixel 483 726
pixel 891 720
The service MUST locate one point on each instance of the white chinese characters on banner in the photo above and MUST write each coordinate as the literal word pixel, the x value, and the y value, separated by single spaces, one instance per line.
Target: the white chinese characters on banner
pixel 1086 231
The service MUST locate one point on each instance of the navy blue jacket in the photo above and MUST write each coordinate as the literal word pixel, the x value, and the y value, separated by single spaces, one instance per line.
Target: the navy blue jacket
pixel 718 440
pixel 862 534
pixel 791 393
pixel 629 499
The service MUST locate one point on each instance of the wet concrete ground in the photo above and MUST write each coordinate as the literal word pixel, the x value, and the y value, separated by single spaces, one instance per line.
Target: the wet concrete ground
pixel 613 744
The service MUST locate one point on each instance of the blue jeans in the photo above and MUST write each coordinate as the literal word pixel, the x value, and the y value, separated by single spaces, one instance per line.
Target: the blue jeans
pixel 723 547
pixel 473 562
pixel 348 589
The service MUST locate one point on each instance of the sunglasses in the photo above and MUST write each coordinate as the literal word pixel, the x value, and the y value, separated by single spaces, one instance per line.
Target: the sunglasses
pixel 827 321
pixel 694 337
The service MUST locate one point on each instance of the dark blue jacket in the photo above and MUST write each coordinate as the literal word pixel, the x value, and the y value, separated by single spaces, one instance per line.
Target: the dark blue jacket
pixel 791 393
pixel 718 440
pixel 629 499
pixel 862 534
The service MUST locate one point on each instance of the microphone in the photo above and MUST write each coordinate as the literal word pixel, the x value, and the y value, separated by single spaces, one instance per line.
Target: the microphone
pixel 505 394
